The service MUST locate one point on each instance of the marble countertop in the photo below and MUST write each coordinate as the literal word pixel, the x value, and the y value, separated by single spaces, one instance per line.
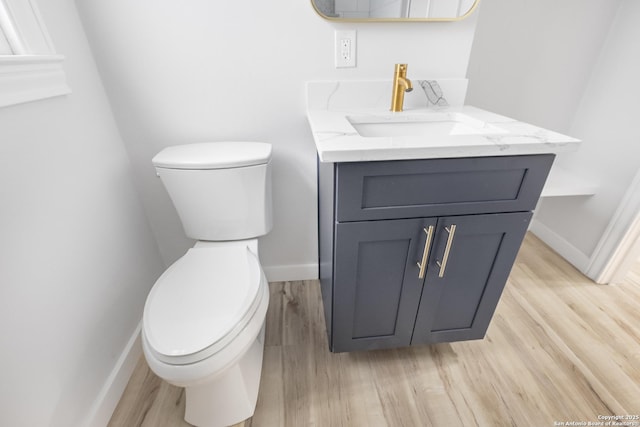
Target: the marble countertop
pixel 337 140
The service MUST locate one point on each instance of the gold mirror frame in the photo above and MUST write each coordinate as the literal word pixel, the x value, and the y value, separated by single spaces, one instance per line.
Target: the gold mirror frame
pixel 391 19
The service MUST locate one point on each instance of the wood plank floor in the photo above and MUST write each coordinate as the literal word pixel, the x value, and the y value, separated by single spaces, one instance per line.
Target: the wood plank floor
pixel 560 348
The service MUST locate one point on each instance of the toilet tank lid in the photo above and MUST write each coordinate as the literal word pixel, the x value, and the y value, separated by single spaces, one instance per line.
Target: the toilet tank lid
pixel 213 155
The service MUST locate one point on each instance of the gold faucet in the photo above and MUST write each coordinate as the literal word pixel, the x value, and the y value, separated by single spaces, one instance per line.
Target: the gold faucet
pixel 401 84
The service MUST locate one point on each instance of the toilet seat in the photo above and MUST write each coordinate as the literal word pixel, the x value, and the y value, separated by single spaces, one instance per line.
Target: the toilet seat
pixel 201 303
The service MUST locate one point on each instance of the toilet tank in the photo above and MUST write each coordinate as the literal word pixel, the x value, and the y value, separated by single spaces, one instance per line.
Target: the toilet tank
pixel 221 190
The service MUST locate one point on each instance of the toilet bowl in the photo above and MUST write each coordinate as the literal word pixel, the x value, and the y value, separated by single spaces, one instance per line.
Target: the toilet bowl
pixel 204 319
pixel 209 339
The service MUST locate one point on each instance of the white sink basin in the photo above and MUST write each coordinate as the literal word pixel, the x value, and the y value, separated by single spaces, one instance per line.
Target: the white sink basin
pixel 432 124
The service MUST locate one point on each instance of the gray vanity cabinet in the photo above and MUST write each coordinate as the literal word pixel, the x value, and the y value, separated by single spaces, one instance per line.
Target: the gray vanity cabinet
pixel 419 251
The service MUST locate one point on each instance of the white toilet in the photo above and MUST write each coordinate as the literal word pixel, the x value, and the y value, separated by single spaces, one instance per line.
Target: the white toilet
pixel 203 322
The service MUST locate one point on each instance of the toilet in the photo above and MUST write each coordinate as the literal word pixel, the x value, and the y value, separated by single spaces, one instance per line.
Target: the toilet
pixel 204 319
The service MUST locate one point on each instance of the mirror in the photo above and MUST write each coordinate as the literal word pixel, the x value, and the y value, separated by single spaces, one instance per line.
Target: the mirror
pixel 394 10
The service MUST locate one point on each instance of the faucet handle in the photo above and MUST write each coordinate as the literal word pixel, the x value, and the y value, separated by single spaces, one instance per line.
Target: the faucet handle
pixel 401 69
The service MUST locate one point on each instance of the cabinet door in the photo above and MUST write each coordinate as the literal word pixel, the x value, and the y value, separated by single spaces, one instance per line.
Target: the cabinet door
pixel 460 297
pixel 376 288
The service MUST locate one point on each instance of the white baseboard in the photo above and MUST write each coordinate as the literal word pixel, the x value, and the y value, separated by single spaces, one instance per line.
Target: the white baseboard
pixel 114 386
pixel 558 243
pixel 284 273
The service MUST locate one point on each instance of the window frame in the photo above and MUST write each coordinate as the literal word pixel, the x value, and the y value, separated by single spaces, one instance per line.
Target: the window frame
pixel 34 71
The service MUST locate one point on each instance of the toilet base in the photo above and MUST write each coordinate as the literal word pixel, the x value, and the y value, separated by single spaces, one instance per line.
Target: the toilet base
pixel 232 396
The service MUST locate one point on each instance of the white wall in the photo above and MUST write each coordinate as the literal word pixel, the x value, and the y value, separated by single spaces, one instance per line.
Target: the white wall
pixel 77 257
pixel 607 121
pixel 572 67
pixel 178 73
pixel 532 59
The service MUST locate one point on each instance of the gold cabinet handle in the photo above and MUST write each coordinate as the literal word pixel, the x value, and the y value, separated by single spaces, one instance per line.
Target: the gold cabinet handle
pixel 425 253
pixel 443 265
